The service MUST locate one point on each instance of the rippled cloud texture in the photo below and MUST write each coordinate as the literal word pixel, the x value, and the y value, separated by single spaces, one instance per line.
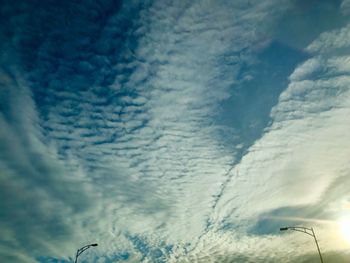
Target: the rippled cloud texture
pixel 173 131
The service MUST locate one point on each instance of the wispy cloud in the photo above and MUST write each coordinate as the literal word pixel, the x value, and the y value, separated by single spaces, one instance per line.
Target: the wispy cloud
pixel 110 131
pixel 301 160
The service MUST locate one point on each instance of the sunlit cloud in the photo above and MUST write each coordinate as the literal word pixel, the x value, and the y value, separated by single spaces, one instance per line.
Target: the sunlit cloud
pixel 165 131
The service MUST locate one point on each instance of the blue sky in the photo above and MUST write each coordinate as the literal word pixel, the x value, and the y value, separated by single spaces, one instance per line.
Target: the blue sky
pixel 174 131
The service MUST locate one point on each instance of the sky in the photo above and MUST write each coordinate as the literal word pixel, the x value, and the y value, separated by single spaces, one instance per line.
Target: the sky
pixel 174 131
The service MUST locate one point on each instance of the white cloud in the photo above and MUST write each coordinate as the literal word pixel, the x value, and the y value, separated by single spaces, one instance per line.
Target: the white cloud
pixel 142 153
pixel 345 6
pixel 306 148
pixel 331 42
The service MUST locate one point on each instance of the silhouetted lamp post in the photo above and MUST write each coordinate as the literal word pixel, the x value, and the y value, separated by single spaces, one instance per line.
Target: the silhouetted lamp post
pixel 305 230
pixel 82 249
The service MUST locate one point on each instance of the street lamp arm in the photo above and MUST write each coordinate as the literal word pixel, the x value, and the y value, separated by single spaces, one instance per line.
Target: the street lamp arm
pixel 304 230
pixel 82 249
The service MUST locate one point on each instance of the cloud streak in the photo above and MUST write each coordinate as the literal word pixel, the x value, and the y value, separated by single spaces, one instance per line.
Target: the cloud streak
pixel 110 134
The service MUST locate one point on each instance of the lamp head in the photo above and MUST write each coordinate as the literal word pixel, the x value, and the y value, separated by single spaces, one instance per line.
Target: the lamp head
pixel 94 245
pixel 283 228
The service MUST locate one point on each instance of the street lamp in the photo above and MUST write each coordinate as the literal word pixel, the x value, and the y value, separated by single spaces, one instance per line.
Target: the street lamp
pixel 82 249
pixel 305 230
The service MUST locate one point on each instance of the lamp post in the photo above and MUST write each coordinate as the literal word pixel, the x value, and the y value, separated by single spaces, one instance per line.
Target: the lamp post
pixel 82 249
pixel 305 230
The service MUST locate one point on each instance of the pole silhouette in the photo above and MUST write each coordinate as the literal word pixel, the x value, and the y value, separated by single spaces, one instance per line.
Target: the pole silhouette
pixel 305 230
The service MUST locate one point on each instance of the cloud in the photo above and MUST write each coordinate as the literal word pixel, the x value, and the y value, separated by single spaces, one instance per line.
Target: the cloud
pixel 332 41
pixel 110 135
pixel 34 188
pixel 345 6
pixel 301 160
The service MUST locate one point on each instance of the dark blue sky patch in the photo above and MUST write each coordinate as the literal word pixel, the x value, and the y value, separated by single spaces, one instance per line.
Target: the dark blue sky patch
pixel 43 259
pixel 122 256
pixel 306 20
pixel 248 109
pixel 158 254
pixel 270 223
pixel 62 45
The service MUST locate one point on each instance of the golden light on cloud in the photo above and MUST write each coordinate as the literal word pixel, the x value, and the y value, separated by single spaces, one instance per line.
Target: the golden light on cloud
pixel 345 228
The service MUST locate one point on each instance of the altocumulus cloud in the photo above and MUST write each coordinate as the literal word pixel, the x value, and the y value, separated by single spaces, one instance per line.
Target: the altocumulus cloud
pixel 110 132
